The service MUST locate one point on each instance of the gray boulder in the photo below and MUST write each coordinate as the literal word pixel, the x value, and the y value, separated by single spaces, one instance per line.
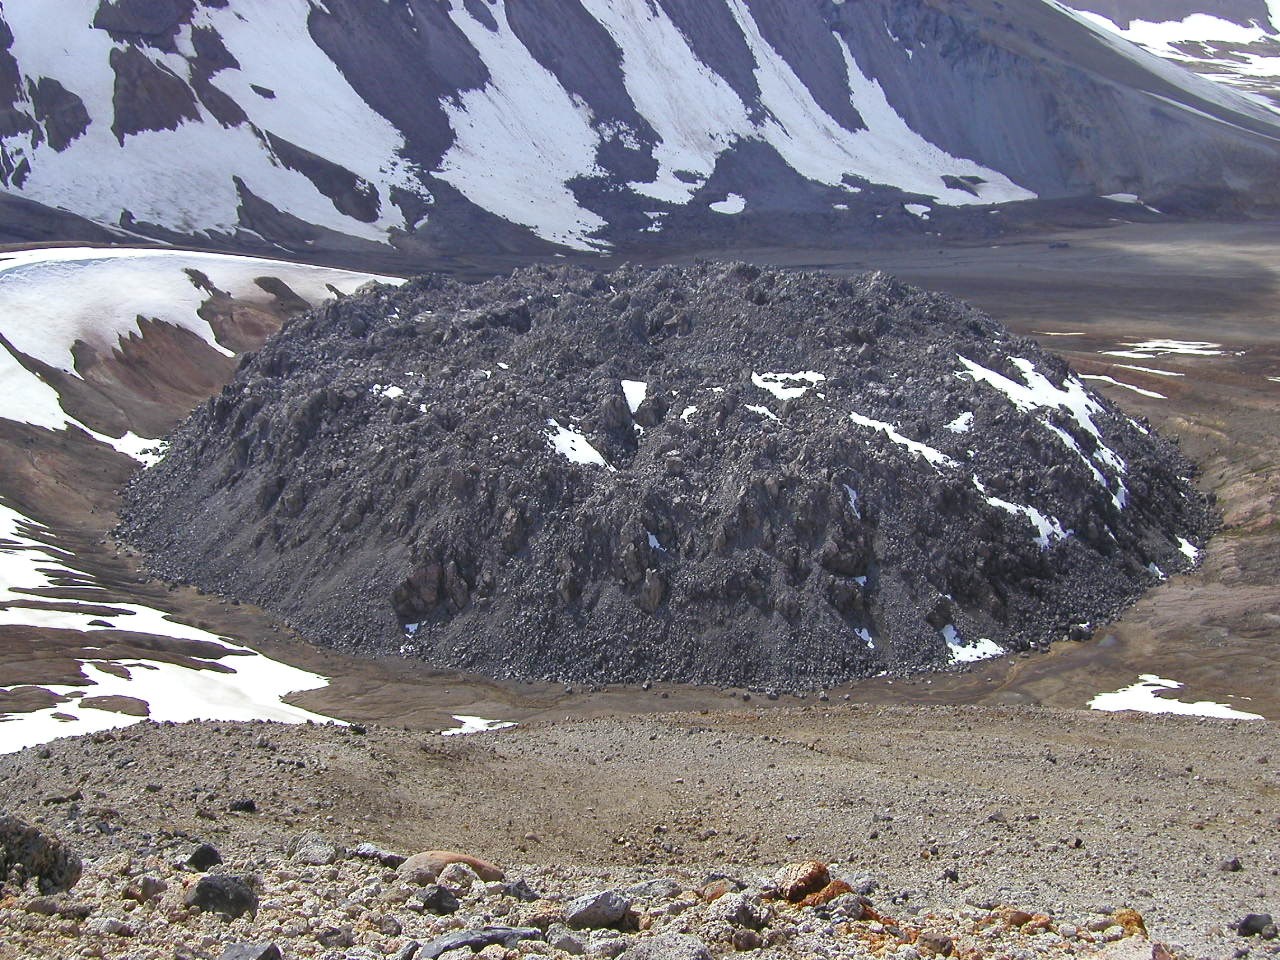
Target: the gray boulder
pixel 602 909
pixel 229 897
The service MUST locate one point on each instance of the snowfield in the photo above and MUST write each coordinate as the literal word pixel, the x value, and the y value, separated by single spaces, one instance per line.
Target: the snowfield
pixel 53 298
pixel 228 682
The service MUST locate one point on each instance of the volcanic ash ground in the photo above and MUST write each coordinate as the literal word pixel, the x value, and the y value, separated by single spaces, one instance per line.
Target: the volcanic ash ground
pixel 714 474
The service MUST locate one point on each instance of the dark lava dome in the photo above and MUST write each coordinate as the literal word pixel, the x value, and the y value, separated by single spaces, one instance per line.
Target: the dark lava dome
pixel 717 474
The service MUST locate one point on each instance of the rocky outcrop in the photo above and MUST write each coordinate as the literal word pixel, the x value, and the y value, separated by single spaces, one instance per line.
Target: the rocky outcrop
pixel 717 474
pixel 28 853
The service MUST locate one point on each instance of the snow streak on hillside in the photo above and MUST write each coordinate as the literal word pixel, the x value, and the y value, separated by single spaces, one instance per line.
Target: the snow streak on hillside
pixel 244 107
pixel 182 174
pixel 1243 57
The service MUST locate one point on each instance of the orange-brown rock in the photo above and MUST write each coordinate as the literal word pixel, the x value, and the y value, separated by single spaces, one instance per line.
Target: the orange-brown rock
pixel 935 943
pixel 1132 922
pixel 716 889
pixel 544 914
pixel 1015 917
pixel 423 868
pixel 836 888
pixel 796 881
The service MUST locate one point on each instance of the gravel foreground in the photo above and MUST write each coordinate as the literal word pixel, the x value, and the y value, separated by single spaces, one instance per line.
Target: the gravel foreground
pixel 974 831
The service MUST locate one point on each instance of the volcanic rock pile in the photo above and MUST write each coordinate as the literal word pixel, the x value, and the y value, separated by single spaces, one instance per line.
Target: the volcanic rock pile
pixel 713 474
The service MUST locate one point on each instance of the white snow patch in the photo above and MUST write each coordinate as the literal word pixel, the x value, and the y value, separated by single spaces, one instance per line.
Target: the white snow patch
pixel 775 383
pixel 1048 529
pixel 252 690
pixel 920 210
pixel 865 634
pixel 1122 197
pixel 687 412
pixel 762 411
pixel 852 494
pixel 1128 386
pixel 393 392
pixel 1143 697
pixel 935 457
pixel 1188 549
pixel 1158 373
pixel 692 109
pixel 1150 349
pixel 654 543
pixel 635 392
pixel 729 205
pixel 53 297
pixel 520 138
pixel 1038 392
pixel 888 151
pixel 961 652
pixel 475 725
pixel 574 447
pixel 962 423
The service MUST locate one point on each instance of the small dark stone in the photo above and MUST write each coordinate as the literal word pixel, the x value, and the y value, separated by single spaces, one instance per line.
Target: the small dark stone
pixel 203 857
pixel 243 805
pixel 1233 865
pixel 1256 925
pixel 340 937
pixel 938 943
pixel 520 890
pixel 438 899
pixel 229 897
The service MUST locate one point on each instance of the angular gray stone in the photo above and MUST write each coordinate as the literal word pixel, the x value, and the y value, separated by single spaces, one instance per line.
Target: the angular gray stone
pixel 370 851
pixel 741 910
pixel 476 940
pixel 602 909
pixel 668 946
pixel 314 849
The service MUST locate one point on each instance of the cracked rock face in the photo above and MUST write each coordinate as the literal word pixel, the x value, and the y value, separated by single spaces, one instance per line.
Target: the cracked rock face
pixel 714 474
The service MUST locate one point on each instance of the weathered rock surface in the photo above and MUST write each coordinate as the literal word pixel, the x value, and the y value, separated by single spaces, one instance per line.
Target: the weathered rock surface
pixel 717 474
pixel 29 853
pixel 229 897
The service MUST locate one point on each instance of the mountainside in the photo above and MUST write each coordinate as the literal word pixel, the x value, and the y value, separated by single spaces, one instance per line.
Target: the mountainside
pixel 440 125
pixel 1236 42
pixel 718 474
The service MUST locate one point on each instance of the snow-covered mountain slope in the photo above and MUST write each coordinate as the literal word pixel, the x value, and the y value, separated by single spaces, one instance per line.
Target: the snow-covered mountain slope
pixel 1235 42
pixel 100 350
pixel 589 124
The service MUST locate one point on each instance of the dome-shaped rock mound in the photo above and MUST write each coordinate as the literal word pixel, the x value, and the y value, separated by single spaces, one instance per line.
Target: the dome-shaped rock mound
pixel 719 473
